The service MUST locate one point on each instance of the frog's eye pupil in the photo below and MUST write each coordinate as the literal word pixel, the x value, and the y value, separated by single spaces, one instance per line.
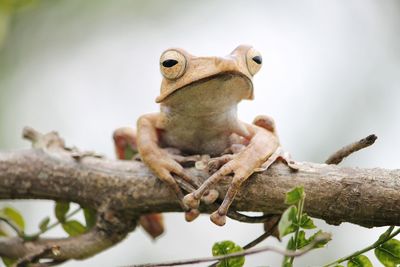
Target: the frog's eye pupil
pixel 257 59
pixel 169 63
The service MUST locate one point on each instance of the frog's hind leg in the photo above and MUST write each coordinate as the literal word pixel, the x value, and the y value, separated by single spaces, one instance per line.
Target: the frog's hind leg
pixel 268 123
pixel 125 143
pixel 265 122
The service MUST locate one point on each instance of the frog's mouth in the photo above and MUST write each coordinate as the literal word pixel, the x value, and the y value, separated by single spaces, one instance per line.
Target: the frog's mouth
pixel 215 93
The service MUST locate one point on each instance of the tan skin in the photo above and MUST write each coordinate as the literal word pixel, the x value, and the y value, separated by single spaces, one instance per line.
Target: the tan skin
pixel 198 115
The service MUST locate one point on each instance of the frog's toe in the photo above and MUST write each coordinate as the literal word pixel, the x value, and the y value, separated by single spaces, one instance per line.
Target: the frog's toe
pixel 191 215
pixel 217 218
pixel 191 201
pixel 210 196
pixel 215 163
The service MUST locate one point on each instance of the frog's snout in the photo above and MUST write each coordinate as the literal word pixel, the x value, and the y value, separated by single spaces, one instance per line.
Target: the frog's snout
pixel 225 63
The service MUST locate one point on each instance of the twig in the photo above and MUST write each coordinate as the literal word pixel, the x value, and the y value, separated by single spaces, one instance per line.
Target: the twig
pixel 12 225
pixel 248 219
pixel 359 252
pixel 34 257
pixel 300 207
pixel 256 241
pixel 319 239
pixel 345 151
pixel 262 237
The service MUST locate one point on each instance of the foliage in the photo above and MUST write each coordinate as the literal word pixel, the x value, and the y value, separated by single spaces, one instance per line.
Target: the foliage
pixel 389 253
pixel 293 220
pixel 7 9
pixel 14 218
pixel 16 222
pixel 228 247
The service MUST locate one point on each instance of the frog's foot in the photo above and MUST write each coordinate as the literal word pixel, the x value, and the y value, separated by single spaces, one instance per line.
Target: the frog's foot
pixel 191 215
pixel 240 173
pixel 170 172
pixel 218 219
pixel 210 196
pixel 178 156
pixel 215 163
pixel 281 155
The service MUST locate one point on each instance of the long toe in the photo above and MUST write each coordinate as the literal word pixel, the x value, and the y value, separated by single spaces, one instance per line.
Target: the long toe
pixel 218 219
pixel 191 215
pixel 191 201
pixel 210 197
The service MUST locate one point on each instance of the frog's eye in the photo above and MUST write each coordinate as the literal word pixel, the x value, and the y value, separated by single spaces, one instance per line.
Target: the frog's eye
pixel 172 64
pixel 254 61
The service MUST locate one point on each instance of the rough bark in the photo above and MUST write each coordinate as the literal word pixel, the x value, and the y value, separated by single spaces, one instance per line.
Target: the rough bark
pixel 123 190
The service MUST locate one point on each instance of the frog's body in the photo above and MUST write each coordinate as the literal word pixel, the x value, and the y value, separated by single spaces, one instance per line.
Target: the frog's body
pixel 198 115
pixel 205 124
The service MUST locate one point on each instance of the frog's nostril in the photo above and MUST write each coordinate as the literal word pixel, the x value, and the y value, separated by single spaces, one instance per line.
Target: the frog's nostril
pixel 169 63
pixel 257 59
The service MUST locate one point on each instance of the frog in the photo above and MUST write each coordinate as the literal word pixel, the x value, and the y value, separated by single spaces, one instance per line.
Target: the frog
pixel 198 115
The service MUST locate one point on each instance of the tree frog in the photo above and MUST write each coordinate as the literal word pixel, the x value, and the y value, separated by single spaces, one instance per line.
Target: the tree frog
pixel 198 115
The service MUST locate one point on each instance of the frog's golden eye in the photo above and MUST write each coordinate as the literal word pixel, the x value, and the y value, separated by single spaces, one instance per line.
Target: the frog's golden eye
pixel 172 64
pixel 254 61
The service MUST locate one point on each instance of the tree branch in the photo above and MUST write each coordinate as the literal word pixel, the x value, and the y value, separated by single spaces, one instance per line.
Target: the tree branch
pixel 123 190
pixel 345 151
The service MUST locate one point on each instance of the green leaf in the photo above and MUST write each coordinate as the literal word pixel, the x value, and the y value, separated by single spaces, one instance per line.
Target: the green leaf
pixel 306 222
pixel 44 223
pixel 339 265
pixel 61 210
pixel 90 217
pixel 14 216
pixel 228 247
pixel 389 253
pixel 8 262
pixel 359 261
pixel 303 241
pixel 294 195
pixel 291 245
pixel 73 228
pixel 3 232
pixel 287 222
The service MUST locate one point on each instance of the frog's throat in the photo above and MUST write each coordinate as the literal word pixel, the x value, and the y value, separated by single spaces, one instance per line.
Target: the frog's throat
pixel 216 94
pixel 222 75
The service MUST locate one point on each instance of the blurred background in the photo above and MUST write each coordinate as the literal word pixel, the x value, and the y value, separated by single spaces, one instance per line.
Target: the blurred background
pixel 330 76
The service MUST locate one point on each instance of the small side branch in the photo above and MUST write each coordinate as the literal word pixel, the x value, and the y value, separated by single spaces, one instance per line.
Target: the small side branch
pixel 79 247
pixel 318 240
pixel 345 151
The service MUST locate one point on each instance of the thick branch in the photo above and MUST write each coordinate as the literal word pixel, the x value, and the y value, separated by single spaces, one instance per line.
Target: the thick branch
pixel 368 197
pixel 121 191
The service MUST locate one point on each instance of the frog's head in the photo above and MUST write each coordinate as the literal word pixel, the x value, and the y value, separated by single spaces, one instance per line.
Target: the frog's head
pixel 224 80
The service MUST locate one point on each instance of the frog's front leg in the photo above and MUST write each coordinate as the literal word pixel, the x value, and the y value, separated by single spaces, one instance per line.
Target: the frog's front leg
pixel 262 145
pixel 158 159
